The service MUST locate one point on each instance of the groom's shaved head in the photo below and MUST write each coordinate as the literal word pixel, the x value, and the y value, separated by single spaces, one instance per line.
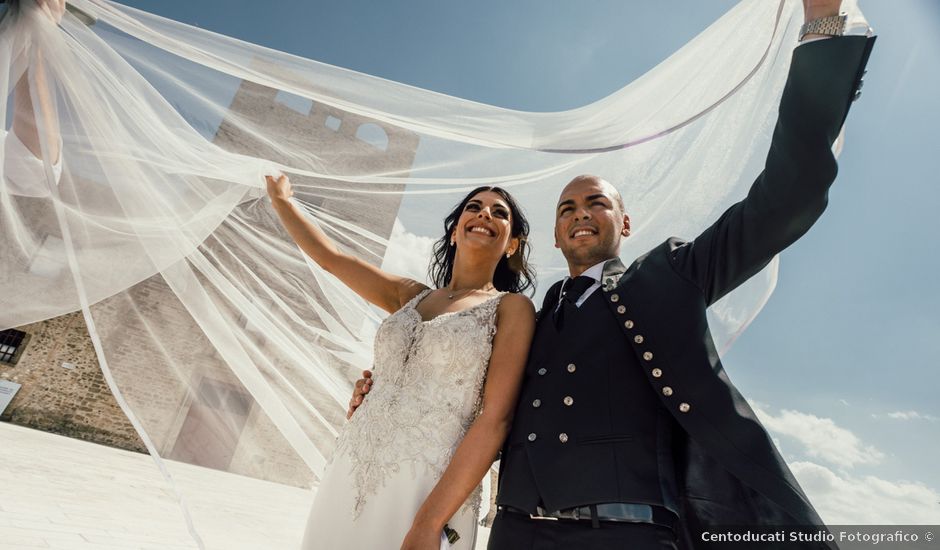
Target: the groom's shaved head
pixel 606 185
pixel 589 222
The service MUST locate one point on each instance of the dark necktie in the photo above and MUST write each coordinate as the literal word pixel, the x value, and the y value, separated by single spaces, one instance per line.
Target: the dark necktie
pixel 571 291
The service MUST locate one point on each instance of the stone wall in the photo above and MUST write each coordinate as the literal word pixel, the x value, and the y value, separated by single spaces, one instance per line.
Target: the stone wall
pixel 72 400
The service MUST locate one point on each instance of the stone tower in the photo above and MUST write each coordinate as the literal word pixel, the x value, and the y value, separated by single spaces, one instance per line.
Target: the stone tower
pixel 62 386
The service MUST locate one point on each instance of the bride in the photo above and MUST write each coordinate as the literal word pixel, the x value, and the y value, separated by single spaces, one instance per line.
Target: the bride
pixel 407 468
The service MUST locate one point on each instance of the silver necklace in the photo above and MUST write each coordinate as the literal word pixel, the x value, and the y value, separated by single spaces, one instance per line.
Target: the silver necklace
pixel 463 293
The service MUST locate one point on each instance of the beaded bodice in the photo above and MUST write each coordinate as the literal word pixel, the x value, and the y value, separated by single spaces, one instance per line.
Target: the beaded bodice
pixel 427 391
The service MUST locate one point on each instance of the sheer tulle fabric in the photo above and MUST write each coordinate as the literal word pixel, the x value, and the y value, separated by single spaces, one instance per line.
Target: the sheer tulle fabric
pixel 153 220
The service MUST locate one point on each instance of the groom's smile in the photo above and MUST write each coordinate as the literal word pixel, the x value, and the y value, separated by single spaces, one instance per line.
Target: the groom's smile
pixel 583 232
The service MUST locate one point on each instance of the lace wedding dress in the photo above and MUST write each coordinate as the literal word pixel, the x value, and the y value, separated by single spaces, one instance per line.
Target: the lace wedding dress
pixel 428 390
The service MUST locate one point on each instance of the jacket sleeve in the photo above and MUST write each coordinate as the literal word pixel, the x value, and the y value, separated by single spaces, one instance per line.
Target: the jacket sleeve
pixel 792 191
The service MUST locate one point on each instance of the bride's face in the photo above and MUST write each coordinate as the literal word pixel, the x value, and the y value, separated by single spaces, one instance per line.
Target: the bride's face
pixel 485 225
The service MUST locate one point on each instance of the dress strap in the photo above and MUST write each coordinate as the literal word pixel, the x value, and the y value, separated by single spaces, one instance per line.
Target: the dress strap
pixel 487 310
pixel 417 298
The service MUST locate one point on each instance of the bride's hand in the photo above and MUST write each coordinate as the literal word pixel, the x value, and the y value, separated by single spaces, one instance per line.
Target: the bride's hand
pixel 54 9
pixel 419 538
pixel 279 188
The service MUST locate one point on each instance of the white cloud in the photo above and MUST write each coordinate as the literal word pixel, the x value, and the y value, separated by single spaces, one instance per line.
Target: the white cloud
pixel 866 500
pixel 840 497
pixel 820 437
pixel 408 254
pixel 910 415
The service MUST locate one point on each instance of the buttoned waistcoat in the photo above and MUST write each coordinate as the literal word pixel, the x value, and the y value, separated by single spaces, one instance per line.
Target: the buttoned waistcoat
pixel 587 413
pixel 729 471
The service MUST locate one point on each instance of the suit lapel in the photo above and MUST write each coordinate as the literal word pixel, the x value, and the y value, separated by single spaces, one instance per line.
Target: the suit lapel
pixel 548 303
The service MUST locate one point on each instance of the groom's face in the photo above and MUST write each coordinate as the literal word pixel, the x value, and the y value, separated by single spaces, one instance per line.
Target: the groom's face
pixel 589 223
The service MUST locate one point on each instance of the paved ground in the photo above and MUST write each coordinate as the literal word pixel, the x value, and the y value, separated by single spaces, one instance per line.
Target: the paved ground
pixel 61 493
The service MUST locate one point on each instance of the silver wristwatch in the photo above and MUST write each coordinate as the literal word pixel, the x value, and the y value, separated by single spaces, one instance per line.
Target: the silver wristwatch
pixel 834 25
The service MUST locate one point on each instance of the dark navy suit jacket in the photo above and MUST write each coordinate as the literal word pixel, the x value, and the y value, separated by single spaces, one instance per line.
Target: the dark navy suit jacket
pixel 728 469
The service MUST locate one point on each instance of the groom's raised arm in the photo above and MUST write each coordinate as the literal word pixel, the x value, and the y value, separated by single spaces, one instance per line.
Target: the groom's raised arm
pixel 792 191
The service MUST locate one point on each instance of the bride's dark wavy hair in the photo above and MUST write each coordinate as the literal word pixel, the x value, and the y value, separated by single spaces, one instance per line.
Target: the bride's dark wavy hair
pixel 513 274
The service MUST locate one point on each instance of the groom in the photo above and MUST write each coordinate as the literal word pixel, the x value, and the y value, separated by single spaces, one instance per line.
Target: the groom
pixel 628 432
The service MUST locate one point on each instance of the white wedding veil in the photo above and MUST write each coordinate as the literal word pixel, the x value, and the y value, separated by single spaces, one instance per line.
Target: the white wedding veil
pixel 139 201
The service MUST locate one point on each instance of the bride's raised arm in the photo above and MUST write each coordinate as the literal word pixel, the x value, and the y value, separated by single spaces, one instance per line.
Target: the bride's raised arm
pixel 25 114
pixel 383 289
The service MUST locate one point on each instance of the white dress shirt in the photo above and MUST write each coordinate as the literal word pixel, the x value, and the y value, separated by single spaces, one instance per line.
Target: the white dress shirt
pixel 595 272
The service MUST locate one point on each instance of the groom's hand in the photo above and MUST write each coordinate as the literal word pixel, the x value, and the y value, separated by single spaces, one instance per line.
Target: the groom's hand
pixel 363 385
pixel 815 9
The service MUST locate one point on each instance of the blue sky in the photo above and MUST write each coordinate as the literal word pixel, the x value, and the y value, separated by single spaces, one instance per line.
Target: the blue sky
pixel 843 361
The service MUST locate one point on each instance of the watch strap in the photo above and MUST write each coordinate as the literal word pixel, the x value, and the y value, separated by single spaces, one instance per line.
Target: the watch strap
pixel 834 25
